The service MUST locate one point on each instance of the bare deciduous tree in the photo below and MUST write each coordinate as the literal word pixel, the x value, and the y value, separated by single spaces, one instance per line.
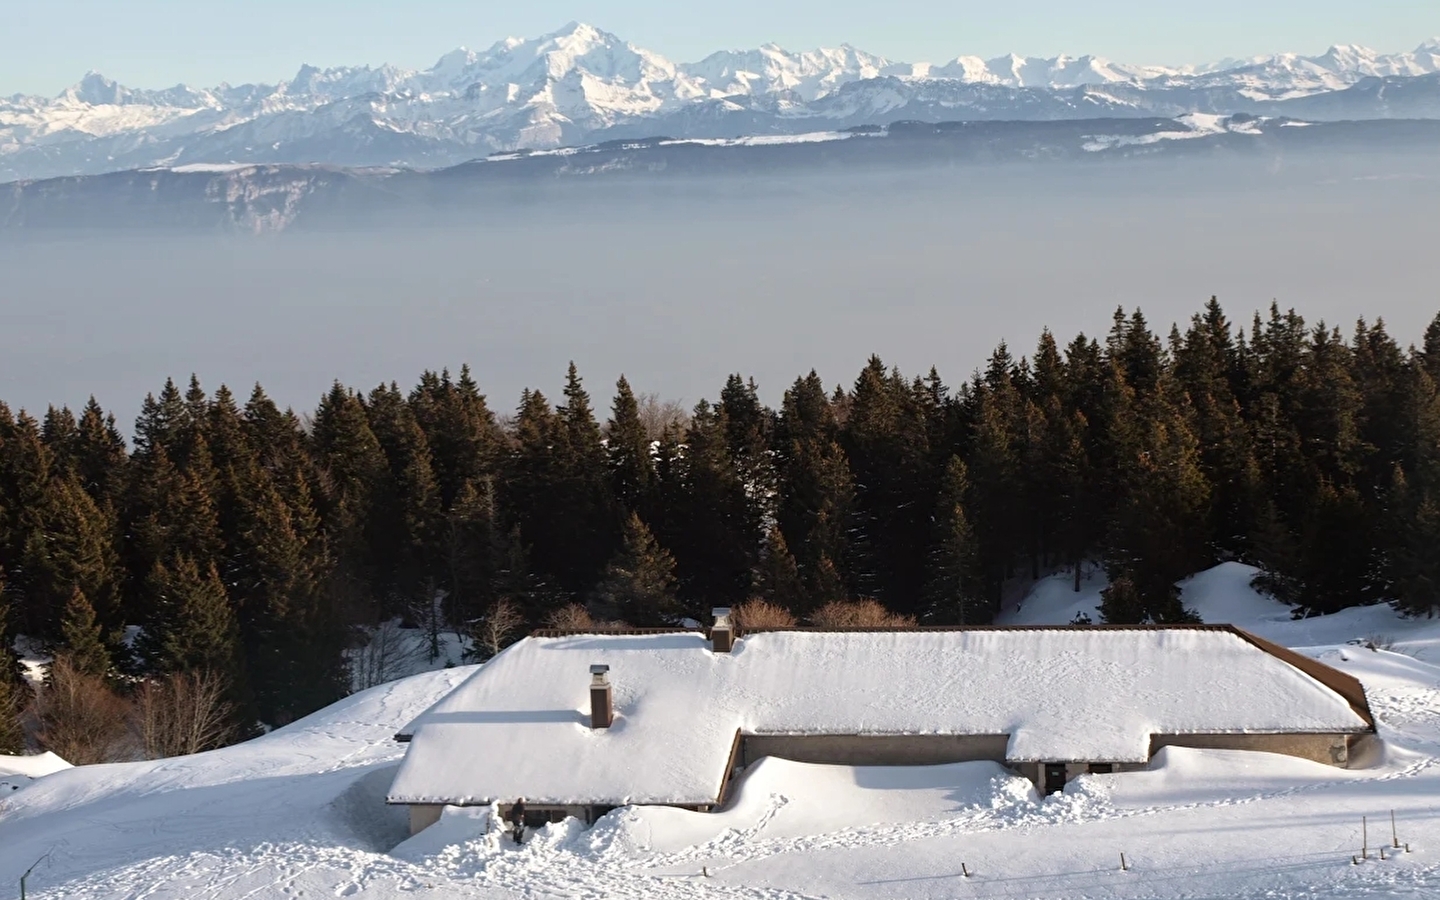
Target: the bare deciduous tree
pixel 571 617
pixel 80 718
pixel 181 714
pixel 496 629
pixel 758 613
pixel 386 654
pixel 864 613
pixel 656 415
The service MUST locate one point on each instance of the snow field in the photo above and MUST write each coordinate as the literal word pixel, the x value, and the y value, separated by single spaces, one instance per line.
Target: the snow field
pixel 299 813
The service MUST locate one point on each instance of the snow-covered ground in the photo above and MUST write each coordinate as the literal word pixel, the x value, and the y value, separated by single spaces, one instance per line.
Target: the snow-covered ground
pixel 299 812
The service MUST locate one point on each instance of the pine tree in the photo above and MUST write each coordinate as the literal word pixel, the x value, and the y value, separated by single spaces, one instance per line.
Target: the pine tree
pixel 100 456
pixel 197 630
pixel 1158 534
pixel 584 491
pixel 291 603
pixel 67 544
pixel 354 467
pixel 776 577
pixel 1417 573
pixel 749 427
pixel 405 519
pixel 995 467
pixel 707 523
pixel 1123 603
pixel 276 437
pixel 81 637
pixel 61 435
pixel 628 447
pixel 1070 475
pixel 1430 354
pixel 1276 551
pixel 952 589
pixel 639 583
pixel 170 513
pixel 1338 559
pixel 161 423
pixel 827 585
pixel 470 552
pixel 516 582
pixel 12 737
pixel 886 442
pixel 465 442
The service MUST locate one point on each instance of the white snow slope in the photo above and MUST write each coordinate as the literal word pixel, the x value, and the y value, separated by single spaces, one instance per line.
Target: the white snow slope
pixel 298 813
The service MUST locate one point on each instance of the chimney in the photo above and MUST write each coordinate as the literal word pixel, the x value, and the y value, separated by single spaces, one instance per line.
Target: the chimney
pixel 602 707
pixel 722 633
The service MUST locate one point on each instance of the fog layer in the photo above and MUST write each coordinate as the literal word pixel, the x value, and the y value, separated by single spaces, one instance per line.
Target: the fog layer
pixel 676 287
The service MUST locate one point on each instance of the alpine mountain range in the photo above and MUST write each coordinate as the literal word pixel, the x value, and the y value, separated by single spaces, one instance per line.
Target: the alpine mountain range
pixel 583 85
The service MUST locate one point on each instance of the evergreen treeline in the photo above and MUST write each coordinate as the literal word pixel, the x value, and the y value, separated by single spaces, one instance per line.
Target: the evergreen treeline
pixel 249 542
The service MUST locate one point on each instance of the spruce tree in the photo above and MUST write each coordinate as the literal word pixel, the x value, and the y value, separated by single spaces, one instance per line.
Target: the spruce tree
pixel 517 582
pixel 1123 603
pixel 100 456
pixel 639 583
pixel 67 544
pixel 170 513
pixel 465 442
pixel 1158 534
pixel 708 523
pixel 197 630
pixel 952 589
pixel 1417 570
pixel 354 468
pixel 81 639
pixel 12 736
pixel 628 447
pixel 12 689
pixel 749 427
pixel 776 577
pixel 61 435
pixel 886 440
pixel 405 519
pixel 161 424
pixel 1338 560
pixel 1430 353
pixel 1276 552
pixel 584 491
pixel 826 584
pixel 292 599
pixel 995 468
pixel 471 551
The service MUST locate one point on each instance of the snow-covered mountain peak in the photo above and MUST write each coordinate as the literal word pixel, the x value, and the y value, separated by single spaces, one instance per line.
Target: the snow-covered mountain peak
pixel 580 82
pixel 95 89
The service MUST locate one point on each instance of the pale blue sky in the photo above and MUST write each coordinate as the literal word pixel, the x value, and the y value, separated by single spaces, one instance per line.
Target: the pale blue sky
pixel 49 44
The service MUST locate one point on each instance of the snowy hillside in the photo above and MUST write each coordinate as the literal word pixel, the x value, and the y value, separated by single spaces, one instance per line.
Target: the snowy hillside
pixel 581 83
pixel 1223 596
pixel 299 812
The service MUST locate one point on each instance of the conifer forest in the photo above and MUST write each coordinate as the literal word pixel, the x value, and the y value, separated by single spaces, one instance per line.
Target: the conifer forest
pixel 261 545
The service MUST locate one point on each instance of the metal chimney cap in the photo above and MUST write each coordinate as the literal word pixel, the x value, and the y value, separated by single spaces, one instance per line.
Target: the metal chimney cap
pixel 599 669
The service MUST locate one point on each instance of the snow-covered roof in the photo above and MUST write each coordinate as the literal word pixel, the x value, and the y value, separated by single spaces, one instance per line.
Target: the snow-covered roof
pixel 520 725
pixel 37 766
